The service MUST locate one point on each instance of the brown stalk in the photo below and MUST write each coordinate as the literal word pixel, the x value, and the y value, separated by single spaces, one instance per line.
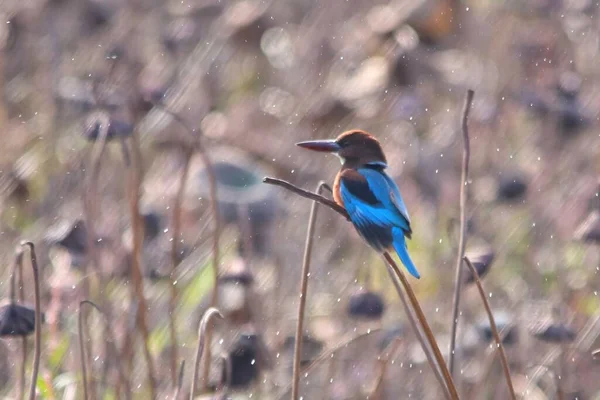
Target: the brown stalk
pixel 18 268
pixel 174 295
pixel 82 357
pixel 303 291
pixel 428 333
pixel 135 176
pixel 419 334
pixel 215 251
pixel 38 320
pixel 497 338
pixel 89 208
pixel 202 339
pixel 214 205
pixel 309 195
pixel 413 299
pixel 464 176
pixel 487 366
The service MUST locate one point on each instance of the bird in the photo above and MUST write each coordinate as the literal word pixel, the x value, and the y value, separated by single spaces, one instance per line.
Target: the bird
pixel 370 197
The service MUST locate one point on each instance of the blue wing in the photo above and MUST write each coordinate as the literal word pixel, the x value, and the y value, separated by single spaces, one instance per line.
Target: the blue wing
pixel 372 195
pixel 377 210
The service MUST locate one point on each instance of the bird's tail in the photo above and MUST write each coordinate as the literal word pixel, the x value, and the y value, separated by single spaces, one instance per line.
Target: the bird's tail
pixel 400 247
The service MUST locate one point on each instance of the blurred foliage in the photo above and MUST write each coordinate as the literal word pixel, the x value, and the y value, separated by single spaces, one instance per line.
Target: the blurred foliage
pixel 251 78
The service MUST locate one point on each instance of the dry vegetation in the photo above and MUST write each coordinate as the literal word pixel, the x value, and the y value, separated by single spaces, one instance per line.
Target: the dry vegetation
pixel 135 137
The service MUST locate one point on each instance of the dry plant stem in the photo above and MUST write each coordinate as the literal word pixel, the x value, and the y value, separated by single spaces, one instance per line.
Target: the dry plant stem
pixel 212 184
pixel 174 295
pixel 223 386
pixel 214 205
pixel 428 333
pixel 303 290
pixel 82 357
pixel 419 333
pixel 464 176
pixel 202 339
pixel 38 320
pixel 388 353
pixel 133 187
pixel 24 345
pixel 18 269
pixel 486 367
pixel 497 337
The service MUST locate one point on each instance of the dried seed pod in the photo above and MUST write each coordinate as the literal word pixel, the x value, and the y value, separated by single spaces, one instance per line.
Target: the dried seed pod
pixel 98 13
pixel 70 235
pixel 246 359
pixel 482 261
pixel 366 305
pixel 553 332
pixel 16 320
pixel 152 225
pixel 512 186
pixel 504 321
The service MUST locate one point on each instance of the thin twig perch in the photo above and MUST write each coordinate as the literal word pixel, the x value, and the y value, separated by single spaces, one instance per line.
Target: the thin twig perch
pixel 303 290
pixel 464 176
pixel 309 195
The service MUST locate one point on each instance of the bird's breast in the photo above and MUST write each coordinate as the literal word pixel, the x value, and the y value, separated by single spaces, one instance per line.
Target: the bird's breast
pixel 337 196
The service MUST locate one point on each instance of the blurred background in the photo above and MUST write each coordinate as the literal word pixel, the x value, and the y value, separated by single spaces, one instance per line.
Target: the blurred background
pixel 101 100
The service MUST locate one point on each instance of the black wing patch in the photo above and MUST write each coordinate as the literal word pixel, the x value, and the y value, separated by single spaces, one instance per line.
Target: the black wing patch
pixel 357 185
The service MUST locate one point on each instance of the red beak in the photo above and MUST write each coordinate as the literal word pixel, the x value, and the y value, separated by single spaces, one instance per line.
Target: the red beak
pixel 327 146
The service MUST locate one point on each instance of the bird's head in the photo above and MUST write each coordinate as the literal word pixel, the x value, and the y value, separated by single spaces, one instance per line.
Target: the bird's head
pixel 353 147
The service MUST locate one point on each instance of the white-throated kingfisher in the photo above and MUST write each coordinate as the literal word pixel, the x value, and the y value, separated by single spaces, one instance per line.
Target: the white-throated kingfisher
pixel 368 194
